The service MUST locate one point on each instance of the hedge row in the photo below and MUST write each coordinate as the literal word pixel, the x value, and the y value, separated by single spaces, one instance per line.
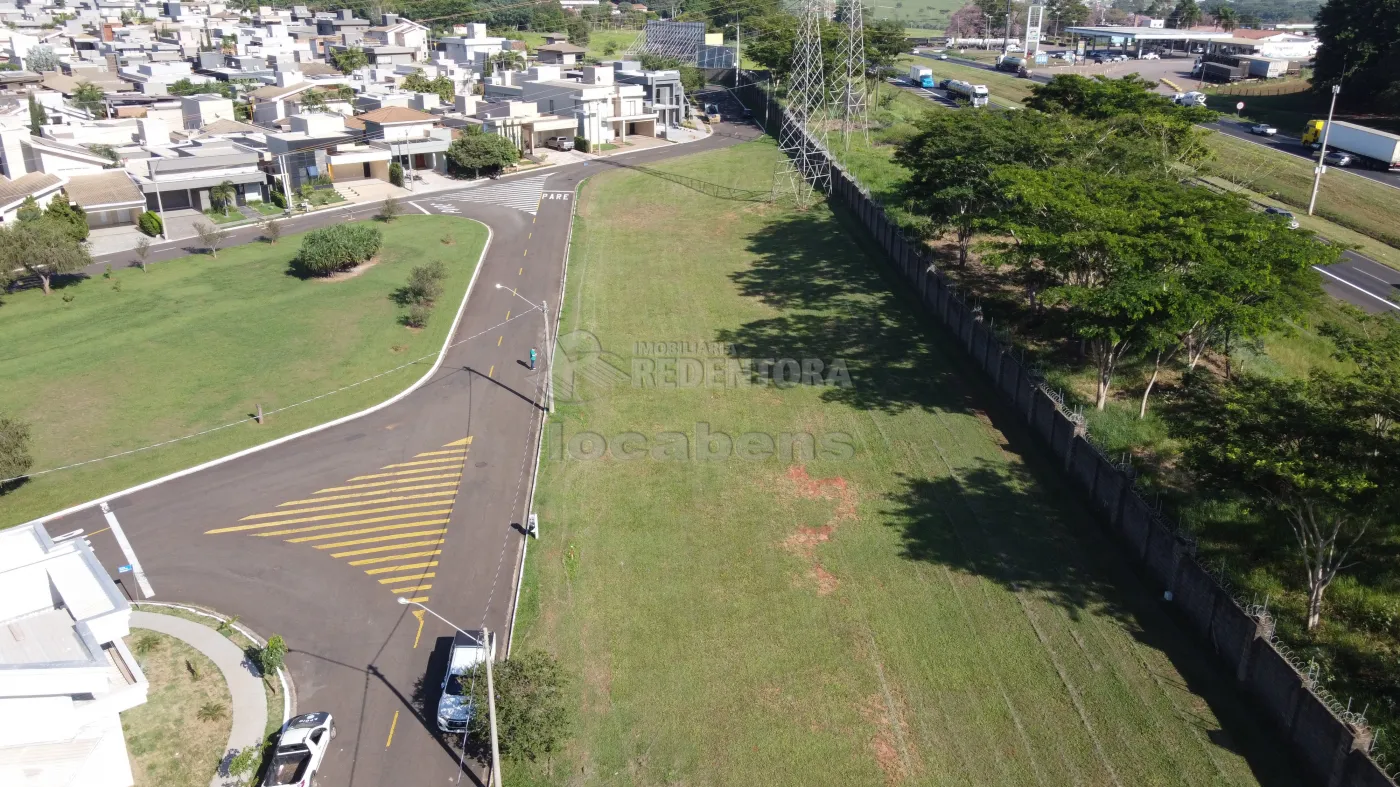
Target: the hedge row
pixel 338 248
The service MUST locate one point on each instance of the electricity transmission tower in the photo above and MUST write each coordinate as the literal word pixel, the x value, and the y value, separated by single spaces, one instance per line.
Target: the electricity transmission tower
pixel 803 137
pixel 852 99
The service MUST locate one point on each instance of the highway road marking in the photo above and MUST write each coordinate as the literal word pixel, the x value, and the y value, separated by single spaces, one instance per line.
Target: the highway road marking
pixel 526 254
pixel 127 551
pixel 393 724
pixel 507 315
pixel 1354 287
pixel 500 339
pixel 417 613
pixel 1377 278
pixel 522 195
pixel 491 371
pixel 520 272
pixel 394 527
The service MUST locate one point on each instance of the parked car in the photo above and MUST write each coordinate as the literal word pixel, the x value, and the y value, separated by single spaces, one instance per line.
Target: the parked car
pixel 301 748
pixel 560 143
pixel 1150 56
pixel 1120 58
pixel 1263 129
pixel 1283 214
pixel 1337 158
pixel 1100 59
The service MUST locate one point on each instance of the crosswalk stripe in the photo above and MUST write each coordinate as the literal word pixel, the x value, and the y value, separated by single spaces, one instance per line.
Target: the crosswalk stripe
pixel 404 567
pixel 399 472
pixel 413 589
pixel 352 505
pixel 404 556
pixel 393 491
pixel 409 578
pixel 387 483
pixel 324 517
pixel 340 533
pixel 522 195
pixel 416 534
pixel 389 548
pixel 438 461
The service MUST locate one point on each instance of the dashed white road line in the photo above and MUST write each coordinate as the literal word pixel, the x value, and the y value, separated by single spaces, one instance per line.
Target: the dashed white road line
pixel 1357 288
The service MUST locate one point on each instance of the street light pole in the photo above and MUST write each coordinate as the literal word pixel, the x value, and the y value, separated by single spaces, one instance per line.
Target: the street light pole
pixel 548 345
pixel 1322 154
pixel 489 643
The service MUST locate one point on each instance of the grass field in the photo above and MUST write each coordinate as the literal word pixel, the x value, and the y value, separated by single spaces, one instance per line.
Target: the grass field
pixel 928 16
pixel 200 342
pixel 598 41
pixel 170 746
pixel 917 603
pixel 1350 200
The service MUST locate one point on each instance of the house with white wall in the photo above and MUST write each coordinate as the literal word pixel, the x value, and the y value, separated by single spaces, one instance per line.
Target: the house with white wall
pixel 66 674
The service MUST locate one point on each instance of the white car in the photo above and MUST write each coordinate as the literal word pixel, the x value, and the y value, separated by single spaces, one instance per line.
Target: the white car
pixel 300 750
pixel 1287 216
pixel 941 56
pixel 1150 56
pixel 1263 129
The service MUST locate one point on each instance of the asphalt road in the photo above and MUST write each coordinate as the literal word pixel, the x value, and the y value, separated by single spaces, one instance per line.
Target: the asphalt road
pixel 314 538
pixel 1294 146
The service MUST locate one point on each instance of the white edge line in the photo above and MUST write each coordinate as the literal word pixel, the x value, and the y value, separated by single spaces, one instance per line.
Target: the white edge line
pixel 420 207
pixel 1342 170
pixel 544 419
pixel 127 550
pixel 442 354
pixel 1355 287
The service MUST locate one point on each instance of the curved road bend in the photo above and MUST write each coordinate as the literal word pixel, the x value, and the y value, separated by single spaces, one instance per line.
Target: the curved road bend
pixel 313 539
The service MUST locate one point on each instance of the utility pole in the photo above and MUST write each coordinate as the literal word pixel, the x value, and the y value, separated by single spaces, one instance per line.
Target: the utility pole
pixel 1322 154
pixel 491 706
pixel 549 356
pixel 1006 41
pixel 286 185
pixel 738 53
pixel 160 203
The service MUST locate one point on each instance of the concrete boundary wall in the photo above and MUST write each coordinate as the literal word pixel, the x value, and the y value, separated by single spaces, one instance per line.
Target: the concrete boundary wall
pixel 1330 751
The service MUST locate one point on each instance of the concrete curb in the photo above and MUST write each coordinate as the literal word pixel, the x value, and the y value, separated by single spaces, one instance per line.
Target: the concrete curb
pixel 249 703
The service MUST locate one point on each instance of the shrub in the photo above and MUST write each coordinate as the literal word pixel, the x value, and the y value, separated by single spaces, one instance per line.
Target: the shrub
pixel 390 210
pixel 337 248
pixel 278 198
pixel 396 174
pixel 425 282
pixel 212 711
pixel 531 715
pixel 581 144
pixel 417 316
pixel 245 761
pixel 150 223
pixel 271 656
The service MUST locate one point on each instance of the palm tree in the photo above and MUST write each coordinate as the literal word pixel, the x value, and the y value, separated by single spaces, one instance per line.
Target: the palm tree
pixel 1226 17
pixel 223 194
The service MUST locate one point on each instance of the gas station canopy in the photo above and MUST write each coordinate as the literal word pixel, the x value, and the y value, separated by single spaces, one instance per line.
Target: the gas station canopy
pixel 1128 36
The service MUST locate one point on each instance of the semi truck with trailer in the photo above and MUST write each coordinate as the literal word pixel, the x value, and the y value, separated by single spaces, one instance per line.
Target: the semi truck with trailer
pixel 1371 148
pixel 921 76
pixel 976 95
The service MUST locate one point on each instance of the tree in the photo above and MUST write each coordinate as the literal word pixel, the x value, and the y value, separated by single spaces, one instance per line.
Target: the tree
pixel 390 210
pixel 45 248
pixel 396 174
pixel 223 195
pixel 15 459
pixel 150 223
pixel 271 655
pixel 29 210
pixel 477 152
pixel 71 217
pixel 441 85
pixel 90 98
pixel 532 717
pixel 1359 48
pixel 350 59
pixel 425 282
pixel 884 42
pixel 37 116
pixel 1186 15
pixel 966 22
pixel 271 230
pixel 313 101
pixel 577 29
pixel 41 58
pixel 1301 450
pixel 547 16
pixel 143 250
pixel 1226 18
pixel 1373 344
pixel 211 237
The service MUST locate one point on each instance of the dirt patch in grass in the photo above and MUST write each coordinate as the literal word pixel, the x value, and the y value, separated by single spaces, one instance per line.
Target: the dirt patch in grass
pixel 353 272
pixel 170 745
pixel 885 745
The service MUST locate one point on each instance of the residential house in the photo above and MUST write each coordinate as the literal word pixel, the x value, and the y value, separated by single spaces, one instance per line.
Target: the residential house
pixel 473 49
pixel 343 24
pixel 410 135
pixel 66 674
pixel 301 153
pixel 561 54
pixel 38 185
pixel 520 122
pixel 604 110
pixel 663 92
pixel 22 153
pixel 178 177
pixel 110 198
pixel 205 108
pixel 397 34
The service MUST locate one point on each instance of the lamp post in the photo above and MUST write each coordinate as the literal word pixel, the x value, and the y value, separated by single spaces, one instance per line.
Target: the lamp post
pixel 548 345
pixel 490 646
pixel 1322 154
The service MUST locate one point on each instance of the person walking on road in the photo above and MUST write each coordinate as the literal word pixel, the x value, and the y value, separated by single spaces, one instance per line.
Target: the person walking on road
pixel 532 359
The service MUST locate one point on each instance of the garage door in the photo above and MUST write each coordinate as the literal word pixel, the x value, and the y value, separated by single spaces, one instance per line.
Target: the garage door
pixel 174 200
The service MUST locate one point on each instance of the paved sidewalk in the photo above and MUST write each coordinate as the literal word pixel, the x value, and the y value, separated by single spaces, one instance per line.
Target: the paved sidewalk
pixel 249 702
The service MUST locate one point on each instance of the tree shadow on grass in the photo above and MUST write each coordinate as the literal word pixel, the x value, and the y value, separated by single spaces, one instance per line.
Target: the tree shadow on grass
pixel 838 303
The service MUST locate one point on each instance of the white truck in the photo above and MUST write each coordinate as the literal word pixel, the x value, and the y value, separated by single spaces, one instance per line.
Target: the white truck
pixel 455 709
pixel 921 76
pixel 977 95
pixel 300 750
pixel 1372 148
pixel 1191 99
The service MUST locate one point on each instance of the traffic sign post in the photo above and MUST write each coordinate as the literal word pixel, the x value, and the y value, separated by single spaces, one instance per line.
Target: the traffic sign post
pixel 1238 107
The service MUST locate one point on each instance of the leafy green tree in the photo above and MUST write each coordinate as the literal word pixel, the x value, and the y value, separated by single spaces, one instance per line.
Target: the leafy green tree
pixel 1360 49
pixel 1372 342
pixel 350 59
pixel 1306 455
pixel 223 195
pixel 481 151
pixel 89 97
pixel 150 223
pixel 1186 15
pixel 15 459
pixel 29 210
pixel 396 174
pixel 547 17
pixel 271 655
pixel 41 58
pixel 532 715
pixel 45 248
pixel 37 116
pixel 313 101
pixel 1226 18
pixel 884 42
pixel 578 29
pixel 71 217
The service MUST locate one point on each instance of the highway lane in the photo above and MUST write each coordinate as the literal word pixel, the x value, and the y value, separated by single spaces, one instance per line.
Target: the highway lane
pixel 1295 147
pixel 314 538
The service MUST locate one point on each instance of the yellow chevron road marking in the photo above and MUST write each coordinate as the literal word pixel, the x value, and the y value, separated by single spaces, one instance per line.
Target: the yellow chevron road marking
pixel 462 452
pixel 324 517
pixel 377 539
pixel 394 490
pixel 409 578
pixel 405 556
pixel 344 533
pixel 419 599
pixel 404 567
pixel 464 441
pixel 439 461
pixel 351 505
pixel 400 472
pixel 387 483
pixel 370 550
pixel 413 589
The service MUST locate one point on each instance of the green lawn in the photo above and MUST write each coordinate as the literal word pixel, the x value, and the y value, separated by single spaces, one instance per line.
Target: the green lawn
pixel 218 216
pixel 200 342
pixel 170 746
pixel 266 208
pixel 922 607
pixel 598 41
pixel 923 14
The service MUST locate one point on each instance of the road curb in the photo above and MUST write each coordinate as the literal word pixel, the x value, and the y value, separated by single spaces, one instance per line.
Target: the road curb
pixel 442 354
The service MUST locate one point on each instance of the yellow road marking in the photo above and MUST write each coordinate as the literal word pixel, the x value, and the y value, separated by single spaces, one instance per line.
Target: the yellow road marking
pixel 350 505
pixel 103 530
pixel 323 517
pixel 531 235
pixel 396 490
pixel 500 339
pixel 418 613
pixel 370 550
pixel 413 589
pixel 464 441
pixel 377 539
pixel 526 254
pixel 440 453
pixel 405 556
pixel 438 461
pixel 384 483
pixel 491 371
pixel 343 533
pixel 392 725
pixel 404 567
pixel 398 472
pixel 419 599
pixel 507 314
pixel 520 272
pixel 409 578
